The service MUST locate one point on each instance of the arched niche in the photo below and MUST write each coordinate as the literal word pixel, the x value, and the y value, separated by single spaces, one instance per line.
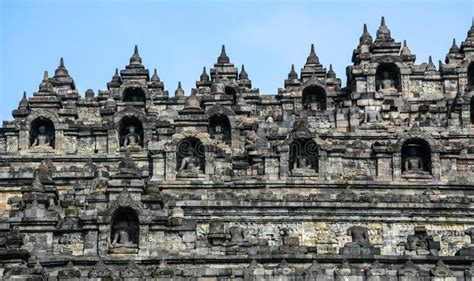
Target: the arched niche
pixel 42 133
pixel 304 155
pixel 190 155
pixel 470 76
pixel 124 230
pixel 134 94
pixel 387 77
pixel 219 128
pixel 416 156
pixel 131 132
pixel 314 98
pixel 231 92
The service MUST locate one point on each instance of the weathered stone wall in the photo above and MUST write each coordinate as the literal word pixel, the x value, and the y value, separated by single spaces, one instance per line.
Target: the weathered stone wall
pixel 372 181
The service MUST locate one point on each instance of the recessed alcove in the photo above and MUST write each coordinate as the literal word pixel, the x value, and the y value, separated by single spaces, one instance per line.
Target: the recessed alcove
pixel 314 98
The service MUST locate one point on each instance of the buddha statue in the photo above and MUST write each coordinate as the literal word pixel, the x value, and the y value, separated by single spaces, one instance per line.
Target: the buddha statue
pixel 42 139
pixel 372 116
pixel 413 163
pixel 132 139
pixel 359 235
pixel 122 236
pixel 127 166
pixel 218 130
pixel 190 162
pixel 312 103
pixel 386 84
pixel 302 162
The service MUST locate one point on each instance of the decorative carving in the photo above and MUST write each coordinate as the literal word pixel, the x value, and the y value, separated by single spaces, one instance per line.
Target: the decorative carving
pixel 314 270
pixel 69 272
pixel 45 172
pixel 132 270
pixel 422 243
pixel 100 271
pixel 441 270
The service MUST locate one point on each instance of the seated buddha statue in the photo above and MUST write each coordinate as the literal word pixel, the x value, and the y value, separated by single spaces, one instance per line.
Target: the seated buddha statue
pixel 190 163
pixel 414 163
pixel 121 236
pixel 42 139
pixel 132 139
pixel 127 166
pixel 302 162
pixel 386 84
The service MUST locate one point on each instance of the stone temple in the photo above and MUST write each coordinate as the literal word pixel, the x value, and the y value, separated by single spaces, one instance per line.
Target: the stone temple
pixel 371 181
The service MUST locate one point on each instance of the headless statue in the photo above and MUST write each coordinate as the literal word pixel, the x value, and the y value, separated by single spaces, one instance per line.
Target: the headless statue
pixel 359 235
pixel 302 162
pixel 386 83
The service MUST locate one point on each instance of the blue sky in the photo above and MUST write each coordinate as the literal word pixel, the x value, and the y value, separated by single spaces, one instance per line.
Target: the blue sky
pixel 180 37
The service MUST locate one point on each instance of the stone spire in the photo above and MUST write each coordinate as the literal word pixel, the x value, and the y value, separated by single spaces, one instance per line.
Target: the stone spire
pixel 384 44
pixel 406 54
pixel 179 91
pixel 135 70
pixel 155 77
pixel 116 81
pixel 204 76
pixel 23 102
pixel 224 67
pixel 312 58
pixel 467 47
pixel 293 74
pixel 383 33
pixel 45 85
pixel 331 73
pixel 61 71
pixel 454 48
pixel 243 74
pixel 430 66
pixel 223 58
pixel 292 80
pixel 312 67
pixel 454 55
pixel 244 80
pixel 23 107
pixel 62 79
pixel 405 50
pixel 155 81
pixel 365 38
pixel 204 79
pixel 135 59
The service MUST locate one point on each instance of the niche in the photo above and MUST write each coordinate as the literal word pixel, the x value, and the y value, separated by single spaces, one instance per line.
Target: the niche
pixel 42 133
pixel 314 98
pixel 219 128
